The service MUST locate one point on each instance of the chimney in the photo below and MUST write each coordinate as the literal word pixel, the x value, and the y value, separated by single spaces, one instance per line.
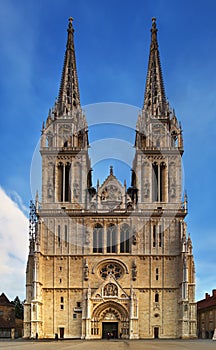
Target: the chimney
pixel 214 292
pixel 207 296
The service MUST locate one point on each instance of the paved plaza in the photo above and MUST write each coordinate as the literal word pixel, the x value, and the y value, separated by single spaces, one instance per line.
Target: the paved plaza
pixel 109 345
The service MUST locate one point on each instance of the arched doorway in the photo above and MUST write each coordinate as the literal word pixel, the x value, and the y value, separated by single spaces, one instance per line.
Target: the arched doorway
pixel 110 320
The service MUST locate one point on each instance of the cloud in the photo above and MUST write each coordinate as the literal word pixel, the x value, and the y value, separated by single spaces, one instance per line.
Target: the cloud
pixel 16 198
pixel 13 247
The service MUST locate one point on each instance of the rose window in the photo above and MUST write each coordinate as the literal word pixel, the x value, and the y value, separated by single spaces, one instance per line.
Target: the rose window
pixel 111 269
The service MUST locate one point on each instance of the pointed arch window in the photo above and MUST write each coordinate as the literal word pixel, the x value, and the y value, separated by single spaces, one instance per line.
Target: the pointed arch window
pixel 162 182
pixel 63 179
pixel 154 236
pixel 159 182
pixel 98 239
pixel 112 239
pixel 154 182
pixel 125 239
pixel 156 298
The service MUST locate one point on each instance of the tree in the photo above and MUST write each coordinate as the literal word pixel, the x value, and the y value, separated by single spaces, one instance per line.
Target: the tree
pixel 18 308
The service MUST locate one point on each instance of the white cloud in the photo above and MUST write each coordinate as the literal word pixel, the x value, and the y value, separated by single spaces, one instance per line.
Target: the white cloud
pixel 17 199
pixel 13 247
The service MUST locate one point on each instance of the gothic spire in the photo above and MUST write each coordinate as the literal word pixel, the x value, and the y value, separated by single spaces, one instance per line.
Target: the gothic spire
pixel 69 98
pixel 155 99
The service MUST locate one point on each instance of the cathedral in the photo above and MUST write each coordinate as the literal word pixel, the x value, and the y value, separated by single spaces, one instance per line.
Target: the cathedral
pixel 110 261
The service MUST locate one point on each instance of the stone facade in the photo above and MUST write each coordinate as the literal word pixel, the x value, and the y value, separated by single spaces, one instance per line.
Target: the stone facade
pixel 206 316
pixel 110 261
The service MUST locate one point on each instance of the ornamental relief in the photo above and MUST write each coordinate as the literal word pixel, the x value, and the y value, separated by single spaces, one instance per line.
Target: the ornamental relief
pixel 111 193
pixel 65 129
pixel 110 290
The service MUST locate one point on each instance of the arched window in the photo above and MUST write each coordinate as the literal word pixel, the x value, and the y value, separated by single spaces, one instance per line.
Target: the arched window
pixel 159 182
pixel 156 298
pixel 154 236
pixel 112 239
pixel 160 237
pixel 64 191
pixel 162 182
pixel 125 239
pixel 154 182
pixel 67 183
pixel 60 182
pixel 98 239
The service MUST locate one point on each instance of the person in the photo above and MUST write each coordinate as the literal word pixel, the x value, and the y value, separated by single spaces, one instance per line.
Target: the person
pixel 36 337
pixel 120 335
pixel 56 336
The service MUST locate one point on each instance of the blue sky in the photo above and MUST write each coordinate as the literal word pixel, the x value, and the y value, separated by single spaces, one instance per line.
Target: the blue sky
pixel 112 46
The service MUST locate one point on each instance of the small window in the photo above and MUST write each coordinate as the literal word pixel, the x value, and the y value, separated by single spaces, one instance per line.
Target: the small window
pixel 66 235
pixel 160 236
pixel 78 303
pixel 74 315
pixel 154 235
pixel 62 307
pixel 62 299
pixel 60 268
pixel 1 312
pixel 157 298
pixel 157 274
pixel 59 235
pixel 60 281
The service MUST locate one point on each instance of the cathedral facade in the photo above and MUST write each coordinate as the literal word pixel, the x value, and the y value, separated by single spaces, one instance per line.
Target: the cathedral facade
pixel 110 261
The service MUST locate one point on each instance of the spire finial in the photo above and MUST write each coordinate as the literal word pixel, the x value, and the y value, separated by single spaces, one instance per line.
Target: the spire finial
pixel 69 98
pixel 155 99
pixel 153 21
pixel 111 170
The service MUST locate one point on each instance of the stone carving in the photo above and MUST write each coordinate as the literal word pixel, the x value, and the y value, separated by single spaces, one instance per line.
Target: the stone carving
pixel 86 271
pixel 76 190
pixel 134 271
pixel 87 237
pixel 146 189
pixel 50 191
pixel 172 190
pixel 111 193
pixel 110 290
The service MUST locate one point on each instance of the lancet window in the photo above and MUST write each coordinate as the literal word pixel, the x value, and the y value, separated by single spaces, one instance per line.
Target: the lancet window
pixel 125 239
pixel 159 182
pixel 98 239
pixel 112 239
pixel 64 183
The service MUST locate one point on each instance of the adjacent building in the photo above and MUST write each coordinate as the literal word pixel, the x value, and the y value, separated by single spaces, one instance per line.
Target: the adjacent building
pixel 110 260
pixel 10 326
pixel 206 316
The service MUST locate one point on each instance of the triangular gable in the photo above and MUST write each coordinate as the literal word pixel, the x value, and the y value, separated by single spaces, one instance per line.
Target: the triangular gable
pixel 110 288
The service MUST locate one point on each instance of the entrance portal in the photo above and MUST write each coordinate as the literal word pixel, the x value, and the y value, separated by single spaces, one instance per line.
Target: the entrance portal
pixel 110 330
